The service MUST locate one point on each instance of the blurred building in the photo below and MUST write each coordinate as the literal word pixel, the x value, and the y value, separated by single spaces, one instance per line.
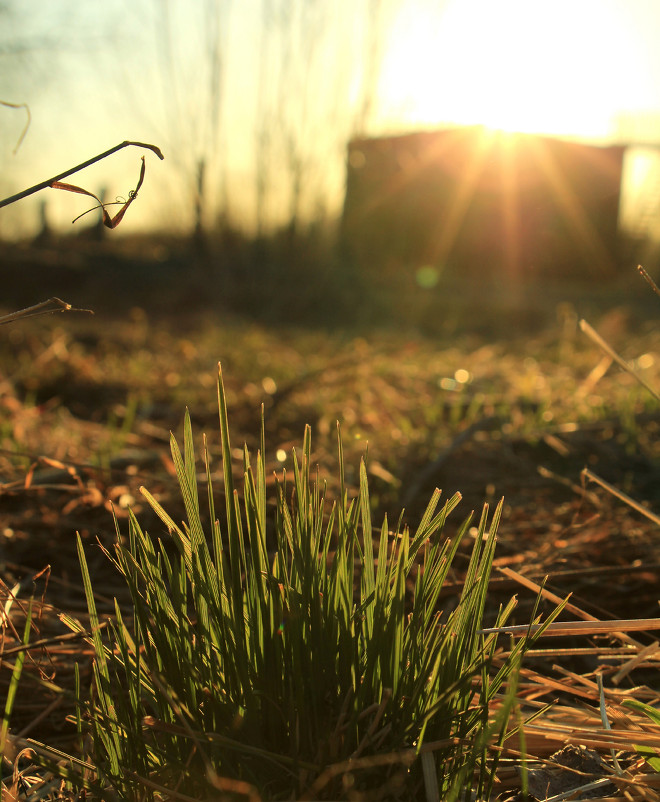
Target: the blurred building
pixel 483 203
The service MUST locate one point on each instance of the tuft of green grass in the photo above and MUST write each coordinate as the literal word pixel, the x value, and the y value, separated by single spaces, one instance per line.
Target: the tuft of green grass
pixel 292 651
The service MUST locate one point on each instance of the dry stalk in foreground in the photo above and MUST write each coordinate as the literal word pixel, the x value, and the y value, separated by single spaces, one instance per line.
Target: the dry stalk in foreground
pixel 49 307
pixel 566 713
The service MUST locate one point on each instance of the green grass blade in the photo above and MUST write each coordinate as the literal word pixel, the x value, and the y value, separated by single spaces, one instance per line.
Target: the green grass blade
pixel 14 681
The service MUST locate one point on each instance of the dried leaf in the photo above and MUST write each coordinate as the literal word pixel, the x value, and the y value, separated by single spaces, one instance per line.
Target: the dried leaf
pixel 109 222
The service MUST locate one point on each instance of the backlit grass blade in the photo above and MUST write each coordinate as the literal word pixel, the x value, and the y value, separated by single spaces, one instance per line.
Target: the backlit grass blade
pixel 14 681
pixel 187 479
pixel 269 670
pixel 110 735
pixel 232 524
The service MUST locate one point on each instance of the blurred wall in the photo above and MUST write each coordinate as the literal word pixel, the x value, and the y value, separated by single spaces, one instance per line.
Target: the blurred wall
pixel 482 204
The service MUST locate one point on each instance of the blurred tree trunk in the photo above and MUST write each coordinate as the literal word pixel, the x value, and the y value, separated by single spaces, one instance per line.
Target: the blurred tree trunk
pixel 193 84
pixel 307 69
pixel 373 50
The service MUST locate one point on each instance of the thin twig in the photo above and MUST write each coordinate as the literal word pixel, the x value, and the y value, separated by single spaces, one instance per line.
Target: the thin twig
pixel 593 477
pixel 544 593
pixel 648 278
pixel 546 473
pixel 600 342
pixel 47 183
pixel 49 307
pixel 562 628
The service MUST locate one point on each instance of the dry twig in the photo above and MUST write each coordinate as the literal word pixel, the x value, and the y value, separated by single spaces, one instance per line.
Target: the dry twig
pixel 49 182
pixel 49 307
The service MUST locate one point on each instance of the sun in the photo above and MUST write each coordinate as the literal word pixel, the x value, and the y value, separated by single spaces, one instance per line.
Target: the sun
pixel 563 68
pixel 489 73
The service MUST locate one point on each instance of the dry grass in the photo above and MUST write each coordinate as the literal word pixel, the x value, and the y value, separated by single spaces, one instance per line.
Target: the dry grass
pixel 87 406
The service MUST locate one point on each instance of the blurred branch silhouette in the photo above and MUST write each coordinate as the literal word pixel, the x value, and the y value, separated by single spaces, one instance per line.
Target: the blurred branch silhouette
pixel 305 112
pixel 27 122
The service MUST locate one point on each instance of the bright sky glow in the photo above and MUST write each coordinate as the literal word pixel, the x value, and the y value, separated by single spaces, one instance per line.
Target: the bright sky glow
pixel 565 67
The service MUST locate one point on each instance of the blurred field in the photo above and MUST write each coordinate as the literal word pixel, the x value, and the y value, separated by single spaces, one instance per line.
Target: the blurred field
pixel 489 395
pixel 462 391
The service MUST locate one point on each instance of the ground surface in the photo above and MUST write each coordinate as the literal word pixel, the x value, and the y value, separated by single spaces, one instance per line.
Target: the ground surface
pixel 87 404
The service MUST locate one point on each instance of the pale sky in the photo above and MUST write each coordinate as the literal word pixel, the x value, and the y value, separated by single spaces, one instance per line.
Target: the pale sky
pixel 565 67
pixel 96 73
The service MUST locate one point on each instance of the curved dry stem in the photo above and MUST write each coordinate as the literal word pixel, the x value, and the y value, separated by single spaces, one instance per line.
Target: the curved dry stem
pixel 50 181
